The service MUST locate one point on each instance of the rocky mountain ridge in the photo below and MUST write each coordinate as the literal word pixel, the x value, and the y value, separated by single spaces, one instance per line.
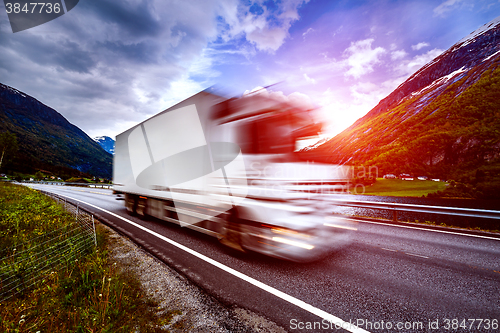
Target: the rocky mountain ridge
pixel 480 46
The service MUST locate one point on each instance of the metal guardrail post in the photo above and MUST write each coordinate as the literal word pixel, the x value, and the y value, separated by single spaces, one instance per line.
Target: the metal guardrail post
pixel 395 215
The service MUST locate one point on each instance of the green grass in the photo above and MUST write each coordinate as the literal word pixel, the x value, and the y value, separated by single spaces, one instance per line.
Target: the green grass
pixel 89 294
pixel 402 188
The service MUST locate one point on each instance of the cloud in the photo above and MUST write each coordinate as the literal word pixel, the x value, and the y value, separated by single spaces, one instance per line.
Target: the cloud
pixel 420 46
pixel 266 27
pixel 301 100
pixel 295 98
pixel 409 67
pixel 309 80
pixel 398 54
pixel 446 6
pixel 366 93
pixel 307 32
pixel 361 57
pixel 267 39
pixel 338 31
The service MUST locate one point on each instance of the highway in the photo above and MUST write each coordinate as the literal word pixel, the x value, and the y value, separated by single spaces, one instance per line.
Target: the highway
pixel 390 279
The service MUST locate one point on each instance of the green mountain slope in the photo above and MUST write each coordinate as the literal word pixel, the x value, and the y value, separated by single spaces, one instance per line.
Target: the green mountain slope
pixel 452 131
pixel 47 140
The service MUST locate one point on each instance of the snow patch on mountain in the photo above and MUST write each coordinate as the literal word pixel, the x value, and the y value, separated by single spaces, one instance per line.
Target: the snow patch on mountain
pixel 13 90
pixel 441 80
pixel 481 30
pixel 491 56
pixel 106 143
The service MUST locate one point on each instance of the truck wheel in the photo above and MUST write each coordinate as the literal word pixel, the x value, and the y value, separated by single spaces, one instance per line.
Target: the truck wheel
pixel 231 234
pixel 130 203
pixel 141 207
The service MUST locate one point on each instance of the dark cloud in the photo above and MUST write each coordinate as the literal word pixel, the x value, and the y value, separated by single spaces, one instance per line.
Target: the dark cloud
pixel 63 54
pixel 136 19
pixel 71 56
pixel 142 52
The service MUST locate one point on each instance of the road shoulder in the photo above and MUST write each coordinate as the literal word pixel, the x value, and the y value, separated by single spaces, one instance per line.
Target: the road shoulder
pixel 188 307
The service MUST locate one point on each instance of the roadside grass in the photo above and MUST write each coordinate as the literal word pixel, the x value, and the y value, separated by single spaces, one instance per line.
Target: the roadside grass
pixel 88 294
pixel 402 188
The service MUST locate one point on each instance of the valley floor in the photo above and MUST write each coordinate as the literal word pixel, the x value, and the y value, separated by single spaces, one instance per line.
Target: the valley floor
pixel 403 188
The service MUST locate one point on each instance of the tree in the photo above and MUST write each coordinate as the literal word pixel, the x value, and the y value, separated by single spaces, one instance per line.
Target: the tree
pixel 8 146
pixel 39 175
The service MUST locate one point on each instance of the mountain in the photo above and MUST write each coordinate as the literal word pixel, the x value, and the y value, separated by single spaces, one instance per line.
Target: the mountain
pixel 106 143
pixel 47 140
pixel 442 122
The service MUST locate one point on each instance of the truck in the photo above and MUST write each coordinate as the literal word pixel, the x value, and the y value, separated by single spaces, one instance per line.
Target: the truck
pixel 230 168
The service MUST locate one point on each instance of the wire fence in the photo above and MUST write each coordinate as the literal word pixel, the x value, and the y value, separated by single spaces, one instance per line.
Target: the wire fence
pixel 26 264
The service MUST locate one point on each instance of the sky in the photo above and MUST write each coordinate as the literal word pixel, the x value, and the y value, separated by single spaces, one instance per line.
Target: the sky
pixel 107 65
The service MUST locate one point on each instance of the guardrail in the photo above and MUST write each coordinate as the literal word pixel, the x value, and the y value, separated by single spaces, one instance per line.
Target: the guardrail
pixel 92 185
pixel 396 207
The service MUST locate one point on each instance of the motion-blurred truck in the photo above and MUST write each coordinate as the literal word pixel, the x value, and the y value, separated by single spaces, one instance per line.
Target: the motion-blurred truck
pixel 230 168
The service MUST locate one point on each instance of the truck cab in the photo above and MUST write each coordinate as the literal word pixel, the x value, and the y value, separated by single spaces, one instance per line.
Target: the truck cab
pixel 284 213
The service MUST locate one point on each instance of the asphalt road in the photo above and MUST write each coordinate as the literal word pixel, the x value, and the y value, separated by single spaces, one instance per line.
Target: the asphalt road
pixel 390 279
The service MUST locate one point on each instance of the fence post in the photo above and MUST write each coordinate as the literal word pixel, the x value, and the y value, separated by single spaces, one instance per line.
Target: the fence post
pixel 395 215
pixel 93 226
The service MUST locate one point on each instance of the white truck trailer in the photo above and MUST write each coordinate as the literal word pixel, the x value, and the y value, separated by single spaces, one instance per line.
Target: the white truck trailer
pixel 229 168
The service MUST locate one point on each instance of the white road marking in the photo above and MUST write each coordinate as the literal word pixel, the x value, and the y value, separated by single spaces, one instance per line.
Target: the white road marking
pixel 425 229
pixel 416 255
pixel 383 248
pixel 301 304
pixel 72 189
pixel 100 193
pixel 410 254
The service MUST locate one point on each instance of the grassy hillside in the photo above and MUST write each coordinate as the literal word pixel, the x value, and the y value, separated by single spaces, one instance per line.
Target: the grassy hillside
pixel 461 131
pixel 404 188
pixel 47 140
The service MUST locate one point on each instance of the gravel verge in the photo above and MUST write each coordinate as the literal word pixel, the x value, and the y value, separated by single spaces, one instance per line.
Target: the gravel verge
pixel 190 309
